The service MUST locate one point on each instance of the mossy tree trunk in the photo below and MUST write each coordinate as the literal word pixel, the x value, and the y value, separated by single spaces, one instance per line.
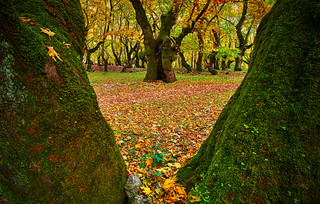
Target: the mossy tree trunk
pixel 55 146
pixel 264 148
pixel 162 50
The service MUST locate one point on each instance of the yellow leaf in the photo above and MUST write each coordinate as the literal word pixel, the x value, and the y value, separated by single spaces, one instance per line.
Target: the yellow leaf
pixel 195 199
pixel 53 54
pixel 149 162
pixel 48 32
pixel 168 183
pixel 66 44
pixel 163 170
pixel 117 135
pixel 146 190
pixel 180 190
pixel 137 146
pixel 175 165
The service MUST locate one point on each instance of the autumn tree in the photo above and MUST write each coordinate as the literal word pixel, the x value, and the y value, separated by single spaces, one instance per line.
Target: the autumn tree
pixel 55 145
pixel 265 145
pixel 161 47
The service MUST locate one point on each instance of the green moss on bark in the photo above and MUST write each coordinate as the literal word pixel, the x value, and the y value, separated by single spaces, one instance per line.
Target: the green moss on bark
pixel 265 144
pixel 55 144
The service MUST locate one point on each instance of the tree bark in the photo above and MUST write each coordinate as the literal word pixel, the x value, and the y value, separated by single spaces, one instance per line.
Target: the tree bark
pixel 55 145
pixel 185 63
pixel 264 148
pixel 200 53
pixel 89 52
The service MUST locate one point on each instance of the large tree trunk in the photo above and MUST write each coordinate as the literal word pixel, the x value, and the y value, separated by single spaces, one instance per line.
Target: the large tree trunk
pixel 264 148
pixel 55 145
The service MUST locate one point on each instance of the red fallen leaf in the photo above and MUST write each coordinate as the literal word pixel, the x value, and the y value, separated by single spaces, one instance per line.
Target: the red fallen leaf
pixel 31 22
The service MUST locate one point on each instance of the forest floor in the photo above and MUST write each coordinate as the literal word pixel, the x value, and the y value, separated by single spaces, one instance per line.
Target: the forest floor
pixel 159 127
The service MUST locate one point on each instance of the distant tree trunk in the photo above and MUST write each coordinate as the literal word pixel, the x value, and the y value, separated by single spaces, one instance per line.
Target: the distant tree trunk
pixel 55 145
pixel 142 56
pixel 264 148
pixel 243 40
pixel 89 52
pixel 223 63
pixel 184 62
pixel 105 64
pixel 200 53
pixel 117 56
pixel 229 64
pixel 212 61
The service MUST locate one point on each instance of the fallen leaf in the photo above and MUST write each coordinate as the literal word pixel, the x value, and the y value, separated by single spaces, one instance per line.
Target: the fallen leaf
pixel 168 183
pixel 137 146
pixel 48 32
pixel 146 190
pixel 175 165
pixel 66 44
pixel 53 54
pixel 173 197
pixel 25 20
pixel 149 162
pixel 31 22
pixel 117 135
pixel 180 190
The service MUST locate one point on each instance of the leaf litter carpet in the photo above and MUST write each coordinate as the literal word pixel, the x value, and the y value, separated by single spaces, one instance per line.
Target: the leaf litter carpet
pixel 159 127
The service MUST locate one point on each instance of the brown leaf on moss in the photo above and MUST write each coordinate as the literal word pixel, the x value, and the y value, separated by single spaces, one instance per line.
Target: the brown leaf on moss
pixel 25 20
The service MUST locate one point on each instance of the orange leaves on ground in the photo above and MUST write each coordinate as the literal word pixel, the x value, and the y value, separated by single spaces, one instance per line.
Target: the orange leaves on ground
pixel 169 183
pixel 175 190
pixel 48 32
pixel 53 54
pixel 159 127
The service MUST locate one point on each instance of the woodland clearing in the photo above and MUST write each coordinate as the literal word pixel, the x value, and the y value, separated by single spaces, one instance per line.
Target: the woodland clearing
pixel 158 126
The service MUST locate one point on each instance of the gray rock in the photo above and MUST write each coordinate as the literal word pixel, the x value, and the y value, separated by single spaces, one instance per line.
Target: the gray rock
pixel 132 187
pixel 141 199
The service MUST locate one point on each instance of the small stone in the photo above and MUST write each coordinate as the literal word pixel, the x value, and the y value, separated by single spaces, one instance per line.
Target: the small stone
pixel 132 187
pixel 141 199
